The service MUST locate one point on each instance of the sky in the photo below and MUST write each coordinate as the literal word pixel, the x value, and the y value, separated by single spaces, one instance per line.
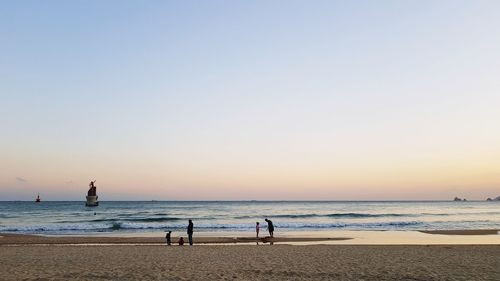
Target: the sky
pixel 250 100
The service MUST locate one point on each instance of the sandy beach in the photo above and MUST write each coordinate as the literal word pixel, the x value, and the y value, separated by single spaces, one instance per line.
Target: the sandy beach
pixel 31 257
pixel 249 262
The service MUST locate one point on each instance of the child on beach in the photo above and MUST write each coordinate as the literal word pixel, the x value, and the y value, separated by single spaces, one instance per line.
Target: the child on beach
pixel 257 228
pixel 181 241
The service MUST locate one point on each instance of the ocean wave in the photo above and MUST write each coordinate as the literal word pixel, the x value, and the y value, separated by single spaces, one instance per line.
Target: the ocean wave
pixel 461 213
pixel 53 228
pixel 118 225
pixel 361 215
pixel 161 219
pixel 142 219
pixel 365 215
pixel 334 215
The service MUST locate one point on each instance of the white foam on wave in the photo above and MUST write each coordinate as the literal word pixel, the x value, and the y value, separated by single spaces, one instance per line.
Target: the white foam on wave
pixel 117 226
pixel 53 227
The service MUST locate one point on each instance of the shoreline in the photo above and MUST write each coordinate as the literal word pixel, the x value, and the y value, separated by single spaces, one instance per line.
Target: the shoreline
pixel 463 232
pixel 434 237
pixel 23 239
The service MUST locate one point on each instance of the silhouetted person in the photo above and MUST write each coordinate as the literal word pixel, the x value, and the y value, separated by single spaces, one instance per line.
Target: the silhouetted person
pixel 270 227
pixel 190 232
pixel 257 228
pixel 181 241
pixel 169 241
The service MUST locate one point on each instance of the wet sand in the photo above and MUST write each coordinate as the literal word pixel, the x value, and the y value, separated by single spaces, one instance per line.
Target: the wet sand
pixel 20 239
pixel 249 262
pixel 438 237
pixel 463 232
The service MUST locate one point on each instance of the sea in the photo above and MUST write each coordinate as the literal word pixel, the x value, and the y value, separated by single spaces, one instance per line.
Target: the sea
pixel 114 217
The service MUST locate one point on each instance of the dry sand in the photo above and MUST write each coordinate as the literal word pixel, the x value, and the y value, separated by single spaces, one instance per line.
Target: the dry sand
pixel 249 262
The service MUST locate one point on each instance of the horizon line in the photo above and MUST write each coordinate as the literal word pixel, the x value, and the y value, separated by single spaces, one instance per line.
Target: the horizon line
pixel 279 200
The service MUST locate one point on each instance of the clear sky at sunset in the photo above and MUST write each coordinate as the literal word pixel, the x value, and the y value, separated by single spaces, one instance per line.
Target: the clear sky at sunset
pixel 180 100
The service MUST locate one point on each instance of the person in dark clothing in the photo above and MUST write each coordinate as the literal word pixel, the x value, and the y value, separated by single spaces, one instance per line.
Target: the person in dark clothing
pixel 190 232
pixel 181 241
pixel 270 227
pixel 169 241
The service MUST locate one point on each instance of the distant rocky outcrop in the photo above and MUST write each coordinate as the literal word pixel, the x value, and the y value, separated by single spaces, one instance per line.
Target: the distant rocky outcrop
pixel 459 199
pixel 495 199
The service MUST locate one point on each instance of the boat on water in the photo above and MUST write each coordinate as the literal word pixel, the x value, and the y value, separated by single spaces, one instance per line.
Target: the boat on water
pixel 38 200
pixel 92 195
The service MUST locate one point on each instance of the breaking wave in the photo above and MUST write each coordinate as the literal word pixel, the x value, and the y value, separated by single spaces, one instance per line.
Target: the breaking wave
pixel 335 215
pixel 163 219
pixel 119 225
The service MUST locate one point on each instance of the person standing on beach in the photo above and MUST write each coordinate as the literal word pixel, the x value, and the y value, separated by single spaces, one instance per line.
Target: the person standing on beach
pixel 270 227
pixel 257 228
pixel 190 232
pixel 169 241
